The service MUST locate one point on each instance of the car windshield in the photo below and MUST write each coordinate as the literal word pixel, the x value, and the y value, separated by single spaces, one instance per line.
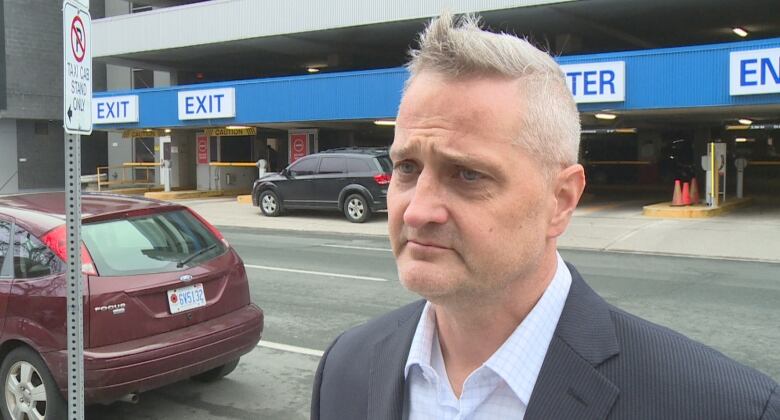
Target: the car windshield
pixel 151 243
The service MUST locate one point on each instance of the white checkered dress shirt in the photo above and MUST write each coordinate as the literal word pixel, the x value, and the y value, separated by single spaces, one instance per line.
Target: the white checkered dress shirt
pixel 501 387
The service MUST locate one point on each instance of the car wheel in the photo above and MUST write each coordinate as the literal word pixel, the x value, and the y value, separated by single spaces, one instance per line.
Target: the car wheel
pixel 216 373
pixel 269 203
pixel 356 209
pixel 30 390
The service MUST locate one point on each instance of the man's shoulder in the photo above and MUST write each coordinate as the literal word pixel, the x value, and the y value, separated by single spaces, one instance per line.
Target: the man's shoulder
pixel 645 351
pixel 660 360
pixel 640 336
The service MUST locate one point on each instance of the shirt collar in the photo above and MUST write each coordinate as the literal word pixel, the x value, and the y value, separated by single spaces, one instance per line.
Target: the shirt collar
pixel 422 342
pixel 519 360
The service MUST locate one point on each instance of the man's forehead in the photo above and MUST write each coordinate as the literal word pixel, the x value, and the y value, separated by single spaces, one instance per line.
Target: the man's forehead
pixel 458 149
pixel 467 105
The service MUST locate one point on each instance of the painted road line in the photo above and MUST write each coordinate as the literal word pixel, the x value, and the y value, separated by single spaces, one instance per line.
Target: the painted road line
pixel 316 273
pixel 358 247
pixel 291 349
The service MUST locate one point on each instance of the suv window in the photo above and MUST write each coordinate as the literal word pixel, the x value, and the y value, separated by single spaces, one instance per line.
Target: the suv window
pixel 32 258
pixel 152 243
pixel 332 165
pixel 385 163
pixel 305 166
pixel 358 165
pixel 5 246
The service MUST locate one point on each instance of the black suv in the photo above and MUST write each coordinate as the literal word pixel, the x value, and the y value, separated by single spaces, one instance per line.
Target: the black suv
pixel 351 180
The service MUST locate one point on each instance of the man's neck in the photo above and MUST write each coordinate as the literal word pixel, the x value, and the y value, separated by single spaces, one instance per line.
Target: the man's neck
pixel 470 333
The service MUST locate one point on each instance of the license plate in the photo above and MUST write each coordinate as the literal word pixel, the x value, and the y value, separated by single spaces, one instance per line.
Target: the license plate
pixel 186 298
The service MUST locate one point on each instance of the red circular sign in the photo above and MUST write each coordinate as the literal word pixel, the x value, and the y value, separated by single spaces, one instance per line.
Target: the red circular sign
pixel 299 145
pixel 78 38
pixel 174 298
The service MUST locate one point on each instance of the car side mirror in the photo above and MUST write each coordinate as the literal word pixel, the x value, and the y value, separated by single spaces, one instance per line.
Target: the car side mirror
pixel 286 173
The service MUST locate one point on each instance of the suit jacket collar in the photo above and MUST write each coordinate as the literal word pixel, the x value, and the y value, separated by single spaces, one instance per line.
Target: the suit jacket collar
pixel 386 378
pixel 568 386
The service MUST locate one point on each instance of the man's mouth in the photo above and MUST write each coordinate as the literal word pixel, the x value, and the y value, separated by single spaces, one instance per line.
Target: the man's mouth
pixel 426 244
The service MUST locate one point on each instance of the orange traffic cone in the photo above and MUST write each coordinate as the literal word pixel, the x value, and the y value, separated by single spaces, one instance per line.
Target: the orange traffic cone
pixel 677 197
pixel 694 191
pixel 686 194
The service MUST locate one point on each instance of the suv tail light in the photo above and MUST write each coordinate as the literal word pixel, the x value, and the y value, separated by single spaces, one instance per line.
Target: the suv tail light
pixel 382 179
pixel 55 240
pixel 211 227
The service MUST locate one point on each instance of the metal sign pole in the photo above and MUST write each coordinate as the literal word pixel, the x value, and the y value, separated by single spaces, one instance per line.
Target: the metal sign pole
pixel 75 305
pixel 77 121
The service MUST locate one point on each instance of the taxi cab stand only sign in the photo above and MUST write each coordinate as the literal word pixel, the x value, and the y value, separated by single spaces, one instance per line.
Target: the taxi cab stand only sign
pixel 77 68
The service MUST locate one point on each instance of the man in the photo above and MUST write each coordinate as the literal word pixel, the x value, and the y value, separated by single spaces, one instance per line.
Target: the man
pixel 485 179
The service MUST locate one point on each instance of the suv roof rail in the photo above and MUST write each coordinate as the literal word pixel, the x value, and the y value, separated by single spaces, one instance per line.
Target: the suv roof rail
pixel 365 150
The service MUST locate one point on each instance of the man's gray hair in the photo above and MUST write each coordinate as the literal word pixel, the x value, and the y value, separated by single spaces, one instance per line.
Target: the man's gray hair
pixel 458 47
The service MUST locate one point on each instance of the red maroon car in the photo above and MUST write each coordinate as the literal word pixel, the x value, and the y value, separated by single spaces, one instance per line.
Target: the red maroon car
pixel 165 299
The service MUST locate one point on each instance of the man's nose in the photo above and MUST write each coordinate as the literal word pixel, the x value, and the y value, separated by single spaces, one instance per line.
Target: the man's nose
pixel 428 203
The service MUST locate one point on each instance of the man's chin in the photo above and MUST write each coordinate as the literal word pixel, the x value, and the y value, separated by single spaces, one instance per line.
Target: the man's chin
pixel 427 279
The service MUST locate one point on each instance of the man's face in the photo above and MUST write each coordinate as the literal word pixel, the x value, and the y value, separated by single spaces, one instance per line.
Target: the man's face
pixel 468 210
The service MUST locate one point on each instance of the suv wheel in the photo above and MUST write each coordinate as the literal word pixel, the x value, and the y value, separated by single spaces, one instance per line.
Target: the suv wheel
pixel 269 203
pixel 356 208
pixel 29 389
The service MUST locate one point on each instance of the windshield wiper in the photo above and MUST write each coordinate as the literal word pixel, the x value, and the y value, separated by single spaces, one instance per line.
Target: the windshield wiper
pixel 195 255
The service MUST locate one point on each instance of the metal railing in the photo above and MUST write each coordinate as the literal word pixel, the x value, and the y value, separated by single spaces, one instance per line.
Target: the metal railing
pixel 129 174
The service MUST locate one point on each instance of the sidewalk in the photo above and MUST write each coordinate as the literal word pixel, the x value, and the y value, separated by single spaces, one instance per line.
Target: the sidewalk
pixel 751 233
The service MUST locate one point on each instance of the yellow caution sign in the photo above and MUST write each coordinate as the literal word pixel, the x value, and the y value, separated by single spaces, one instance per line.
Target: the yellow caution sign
pixel 143 133
pixel 223 132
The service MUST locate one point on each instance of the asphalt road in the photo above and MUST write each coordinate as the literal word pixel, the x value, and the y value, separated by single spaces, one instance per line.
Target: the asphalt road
pixel 313 286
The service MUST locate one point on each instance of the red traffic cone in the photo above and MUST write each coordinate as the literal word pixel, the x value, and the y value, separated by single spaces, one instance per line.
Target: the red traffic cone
pixel 686 194
pixel 694 191
pixel 677 197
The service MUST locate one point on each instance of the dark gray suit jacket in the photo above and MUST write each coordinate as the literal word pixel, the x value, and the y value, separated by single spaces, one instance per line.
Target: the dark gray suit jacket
pixel 602 363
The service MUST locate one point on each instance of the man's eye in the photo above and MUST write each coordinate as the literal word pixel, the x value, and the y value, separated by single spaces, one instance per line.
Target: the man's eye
pixel 406 167
pixel 469 175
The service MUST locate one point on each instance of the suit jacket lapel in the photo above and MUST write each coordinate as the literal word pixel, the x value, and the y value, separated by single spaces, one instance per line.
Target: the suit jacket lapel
pixel 569 386
pixel 386 381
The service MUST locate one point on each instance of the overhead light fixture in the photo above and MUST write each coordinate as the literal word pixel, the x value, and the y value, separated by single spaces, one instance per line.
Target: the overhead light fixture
pixel 605 116
pixel 236 127
pixel 739 31
pixel 167 130
pixel 384 122
pixel 312 70
pixel 740 140
pixel 745 121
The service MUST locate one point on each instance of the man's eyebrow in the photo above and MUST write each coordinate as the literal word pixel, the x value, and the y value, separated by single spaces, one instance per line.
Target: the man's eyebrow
pixel 460 159
pixel 450 157
pixel 401 151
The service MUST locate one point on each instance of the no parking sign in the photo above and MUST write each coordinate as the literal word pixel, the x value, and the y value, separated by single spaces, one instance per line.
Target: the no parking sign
pixel 77 58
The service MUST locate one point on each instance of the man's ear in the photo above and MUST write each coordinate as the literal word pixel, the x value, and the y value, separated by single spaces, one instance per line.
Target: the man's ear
pixel 567 190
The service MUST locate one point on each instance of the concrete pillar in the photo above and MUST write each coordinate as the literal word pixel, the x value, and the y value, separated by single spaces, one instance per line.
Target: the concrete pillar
pixel 9 177
pixel 120 149
pixel 183 159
